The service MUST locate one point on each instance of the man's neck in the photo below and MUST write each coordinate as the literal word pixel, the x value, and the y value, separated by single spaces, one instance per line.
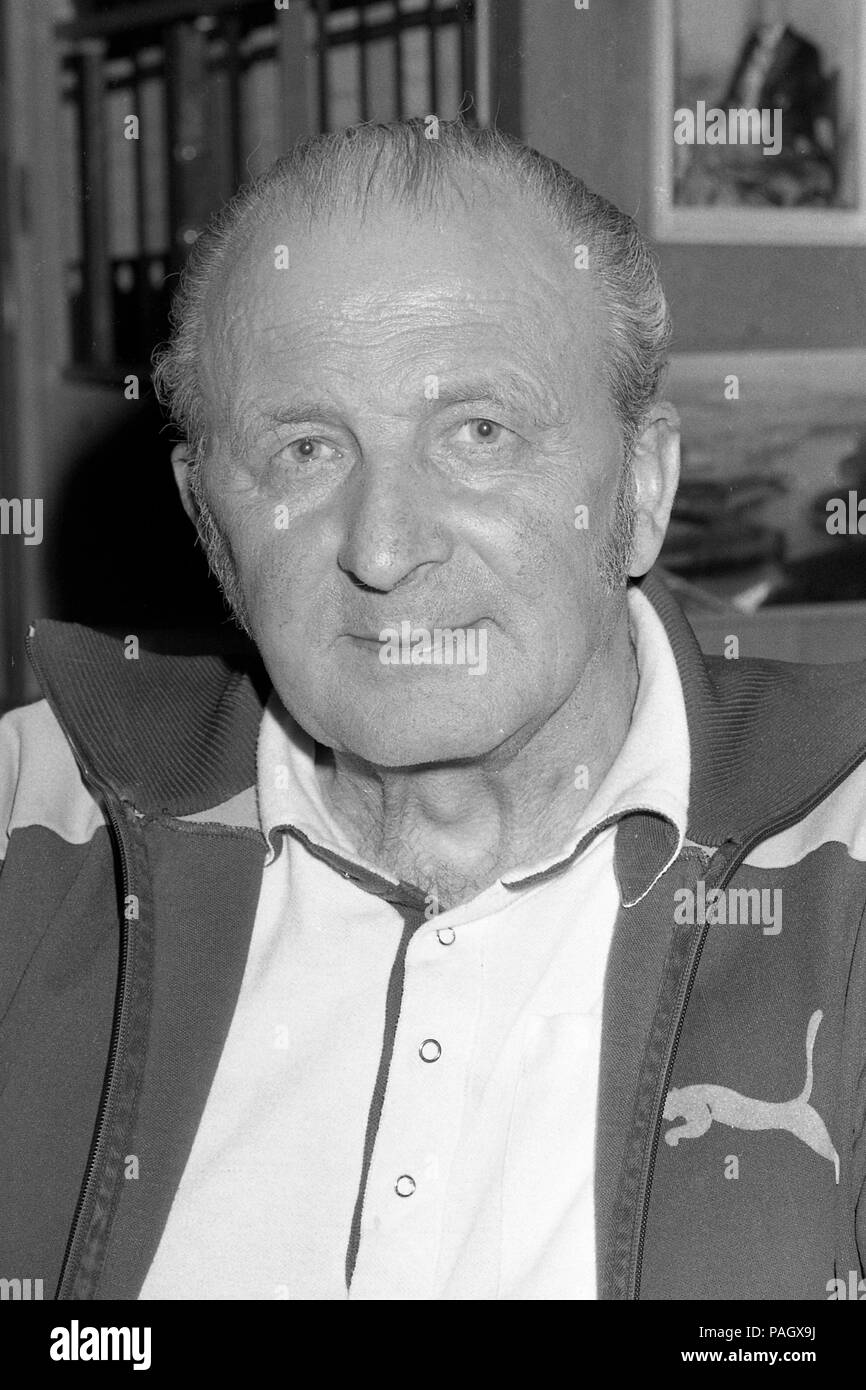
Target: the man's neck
pixel 455 829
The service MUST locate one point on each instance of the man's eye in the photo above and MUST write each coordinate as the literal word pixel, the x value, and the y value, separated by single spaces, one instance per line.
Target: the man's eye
pixel 309 449
pixel 481 431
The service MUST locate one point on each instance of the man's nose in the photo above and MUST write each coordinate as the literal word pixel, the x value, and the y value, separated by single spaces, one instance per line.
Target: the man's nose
pixel 393 525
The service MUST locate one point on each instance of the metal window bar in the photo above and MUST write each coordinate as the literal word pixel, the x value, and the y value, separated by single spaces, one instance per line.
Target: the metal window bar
pixel 232 32
pixel 467 60
pixel 292 54
pixel 97 266
pixel 433 13
pixel 322 11
pixel 363 66
pixel 147 302
pixel 399 104
pixel 188 173
pixel 11 560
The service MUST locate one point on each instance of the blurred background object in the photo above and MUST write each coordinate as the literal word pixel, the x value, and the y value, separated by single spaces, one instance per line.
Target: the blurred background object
pixel 776 68
pixel 767 97
pixel 218 89
pixel 770 442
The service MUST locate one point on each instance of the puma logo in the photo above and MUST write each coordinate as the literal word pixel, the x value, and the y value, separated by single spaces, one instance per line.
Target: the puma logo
pixel 698 1106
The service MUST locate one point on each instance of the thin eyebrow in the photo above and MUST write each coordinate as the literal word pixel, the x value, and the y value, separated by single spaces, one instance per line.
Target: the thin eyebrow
pixel 504 392
pixel 301 412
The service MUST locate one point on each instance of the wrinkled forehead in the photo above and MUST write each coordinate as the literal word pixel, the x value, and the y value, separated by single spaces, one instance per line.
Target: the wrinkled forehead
pixel 472 277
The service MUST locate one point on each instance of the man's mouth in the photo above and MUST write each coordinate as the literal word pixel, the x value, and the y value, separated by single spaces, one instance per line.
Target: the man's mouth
pixel 411 645
pixel 407 631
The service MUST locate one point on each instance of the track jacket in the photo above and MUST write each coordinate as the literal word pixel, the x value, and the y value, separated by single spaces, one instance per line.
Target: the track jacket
pixel 731 1136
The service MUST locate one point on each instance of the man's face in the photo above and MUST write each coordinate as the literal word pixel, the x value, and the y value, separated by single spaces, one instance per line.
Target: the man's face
pixel 418 407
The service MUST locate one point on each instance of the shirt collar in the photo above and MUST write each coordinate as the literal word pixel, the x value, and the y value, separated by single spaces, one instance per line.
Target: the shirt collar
pixel 289 798
pixel 645 792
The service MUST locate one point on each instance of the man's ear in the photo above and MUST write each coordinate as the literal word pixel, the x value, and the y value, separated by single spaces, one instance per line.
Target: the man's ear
pixel 181 462
pixel 656 471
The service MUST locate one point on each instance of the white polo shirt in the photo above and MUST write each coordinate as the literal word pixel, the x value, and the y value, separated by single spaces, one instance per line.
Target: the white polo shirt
pixel 410 1099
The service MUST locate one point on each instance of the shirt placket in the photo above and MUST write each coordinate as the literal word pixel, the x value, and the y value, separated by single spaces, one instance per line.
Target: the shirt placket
pixel 422 1114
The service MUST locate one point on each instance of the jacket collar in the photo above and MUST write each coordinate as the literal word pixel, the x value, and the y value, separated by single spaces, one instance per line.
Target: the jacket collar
pixel 168 725
pixel 769 739
pixel 173 731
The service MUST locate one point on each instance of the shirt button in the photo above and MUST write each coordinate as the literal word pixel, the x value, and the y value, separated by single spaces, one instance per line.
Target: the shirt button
pixel 430 1050
pixel 404 1186
pixel 447 936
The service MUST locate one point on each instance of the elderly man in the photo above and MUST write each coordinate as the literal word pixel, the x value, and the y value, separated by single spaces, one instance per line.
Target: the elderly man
pixel 483 941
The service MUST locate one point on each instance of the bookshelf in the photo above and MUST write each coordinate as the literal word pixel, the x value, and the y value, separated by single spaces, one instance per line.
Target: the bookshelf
pixel 219 90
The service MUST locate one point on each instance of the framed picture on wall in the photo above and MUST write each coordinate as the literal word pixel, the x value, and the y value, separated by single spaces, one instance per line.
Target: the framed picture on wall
pixel 759 121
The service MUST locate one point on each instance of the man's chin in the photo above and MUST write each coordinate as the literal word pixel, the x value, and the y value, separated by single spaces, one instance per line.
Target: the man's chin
pixel 401 743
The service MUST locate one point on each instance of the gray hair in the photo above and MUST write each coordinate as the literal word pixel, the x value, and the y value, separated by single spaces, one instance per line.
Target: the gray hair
pixel 348 170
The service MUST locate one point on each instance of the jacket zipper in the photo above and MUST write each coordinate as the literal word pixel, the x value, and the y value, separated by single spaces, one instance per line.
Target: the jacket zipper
pixel 71 1257
pixel 667 1069
pixel 724 877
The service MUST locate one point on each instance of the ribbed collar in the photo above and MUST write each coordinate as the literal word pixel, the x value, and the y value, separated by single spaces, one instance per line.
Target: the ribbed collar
pixel 175 733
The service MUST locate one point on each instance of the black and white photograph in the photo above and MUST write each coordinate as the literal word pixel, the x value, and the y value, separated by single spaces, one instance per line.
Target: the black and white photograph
pixel 432 667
